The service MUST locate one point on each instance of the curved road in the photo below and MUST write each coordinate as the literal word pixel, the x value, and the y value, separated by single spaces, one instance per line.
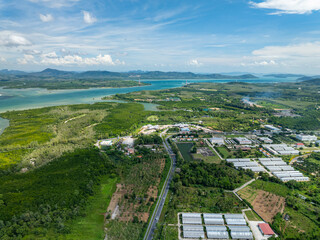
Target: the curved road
pixel 162 197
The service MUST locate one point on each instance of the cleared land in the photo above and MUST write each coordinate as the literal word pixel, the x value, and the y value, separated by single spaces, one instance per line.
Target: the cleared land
pixel 185 148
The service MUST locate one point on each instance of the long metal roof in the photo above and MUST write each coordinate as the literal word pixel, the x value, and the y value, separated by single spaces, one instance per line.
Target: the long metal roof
pixel 192 228
pixel 218 235
pixel 212 215
pixel 236 221
pixel 239 228
pixel 241 235
pixel 193 234
pixel 216 228
pixel 192 221
pixel 191 215
pixel 234 216
pixel 214 221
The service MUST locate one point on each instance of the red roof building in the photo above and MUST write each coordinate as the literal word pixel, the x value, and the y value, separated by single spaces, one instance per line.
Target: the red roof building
pixel 300 145
pixel 265 229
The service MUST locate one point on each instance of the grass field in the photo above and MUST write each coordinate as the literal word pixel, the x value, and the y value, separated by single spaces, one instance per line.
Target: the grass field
pixel 223 152
pixel 207 159
pixel 274 188
pixel 252 216
pixel 185 148
pixel 92 225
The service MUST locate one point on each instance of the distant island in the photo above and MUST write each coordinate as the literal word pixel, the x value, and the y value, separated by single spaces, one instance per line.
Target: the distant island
pixel 284 75
pixel 56 79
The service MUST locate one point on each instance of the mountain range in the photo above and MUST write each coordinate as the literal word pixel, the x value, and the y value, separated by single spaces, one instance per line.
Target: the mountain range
pixel 156 75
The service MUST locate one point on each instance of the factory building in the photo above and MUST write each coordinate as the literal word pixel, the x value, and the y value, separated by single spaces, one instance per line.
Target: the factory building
pixel 306 138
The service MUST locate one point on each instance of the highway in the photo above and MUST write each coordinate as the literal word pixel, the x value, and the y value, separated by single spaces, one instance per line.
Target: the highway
pixel 162 197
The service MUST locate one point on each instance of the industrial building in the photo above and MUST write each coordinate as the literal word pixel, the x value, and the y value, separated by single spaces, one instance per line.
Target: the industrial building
pixel 272 128
pixel 236 226
pixel 270 159
pixel 265 140
pixel 281 170
pixel 235 219
pixel 191 215
pixel 246 163
pixel 241 235
pixel 217 234
pixel 255 169
pixel 280 149
pixel 106 143
pixel 265 229
pixel 213 219
pixel 193 234
pixel 298 179
pixel 238 159
pixel 243 141
pixel 273 163
pixel 216 140
pixel 306 138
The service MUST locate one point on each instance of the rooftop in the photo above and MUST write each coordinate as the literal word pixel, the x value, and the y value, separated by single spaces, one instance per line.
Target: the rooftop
pixel 266 229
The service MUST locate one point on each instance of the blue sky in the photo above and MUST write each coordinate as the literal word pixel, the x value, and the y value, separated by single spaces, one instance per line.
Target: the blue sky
pixel 260 36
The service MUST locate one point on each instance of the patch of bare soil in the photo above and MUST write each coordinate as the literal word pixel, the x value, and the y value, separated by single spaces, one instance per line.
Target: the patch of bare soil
pixel 268 205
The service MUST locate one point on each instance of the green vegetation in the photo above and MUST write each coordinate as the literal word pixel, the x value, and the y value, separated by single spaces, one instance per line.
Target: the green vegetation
pixel 46 198
pixel 142 179
pixel 303 213
pixel 252 216
pixel 148 139
pixel 38 136
pixel 220 106
pixel 122 120
pixel 199 186
pixel 55 84
pixel 91 226
pixel 185 149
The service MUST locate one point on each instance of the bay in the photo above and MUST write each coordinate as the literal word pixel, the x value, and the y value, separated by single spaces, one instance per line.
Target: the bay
pixel 20 99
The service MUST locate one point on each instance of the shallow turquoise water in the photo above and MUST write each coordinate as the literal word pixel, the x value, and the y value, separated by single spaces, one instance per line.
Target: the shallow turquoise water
pixel 18 99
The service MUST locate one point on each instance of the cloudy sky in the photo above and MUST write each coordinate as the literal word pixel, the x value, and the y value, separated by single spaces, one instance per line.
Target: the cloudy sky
pixel 260 36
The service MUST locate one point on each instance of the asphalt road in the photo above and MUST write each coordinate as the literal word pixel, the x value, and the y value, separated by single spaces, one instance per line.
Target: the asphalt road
pixel 162 198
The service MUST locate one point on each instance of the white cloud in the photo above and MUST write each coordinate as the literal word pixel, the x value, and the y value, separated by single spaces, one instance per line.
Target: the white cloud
pixel 2 59
pixel 52 58
pixel 303 50
pixel 26 59
pixel 46 18
pixel 88 18
pixel 13 39
pixel 50 55
pixel 260 63
pixel 289 6
pixel 194 62
pixel 56 3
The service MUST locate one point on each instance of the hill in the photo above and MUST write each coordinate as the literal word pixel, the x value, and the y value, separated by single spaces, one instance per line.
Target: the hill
pixel 48 73
pixel 284 75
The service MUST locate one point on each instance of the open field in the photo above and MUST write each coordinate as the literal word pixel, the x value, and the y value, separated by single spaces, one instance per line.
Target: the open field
pixel 185 148
pixel 136 194
pixel 252 216
pixel 266 204
pixel 38 136
pixel 273 201
pixel 92 225
pixel 207 155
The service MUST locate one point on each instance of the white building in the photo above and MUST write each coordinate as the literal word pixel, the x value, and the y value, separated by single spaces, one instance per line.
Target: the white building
pixel 265 140
pixel 129 141
pixel 106 143
pixel 306 138
pixel 272 128
pixel 243 140
pixel 216 140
